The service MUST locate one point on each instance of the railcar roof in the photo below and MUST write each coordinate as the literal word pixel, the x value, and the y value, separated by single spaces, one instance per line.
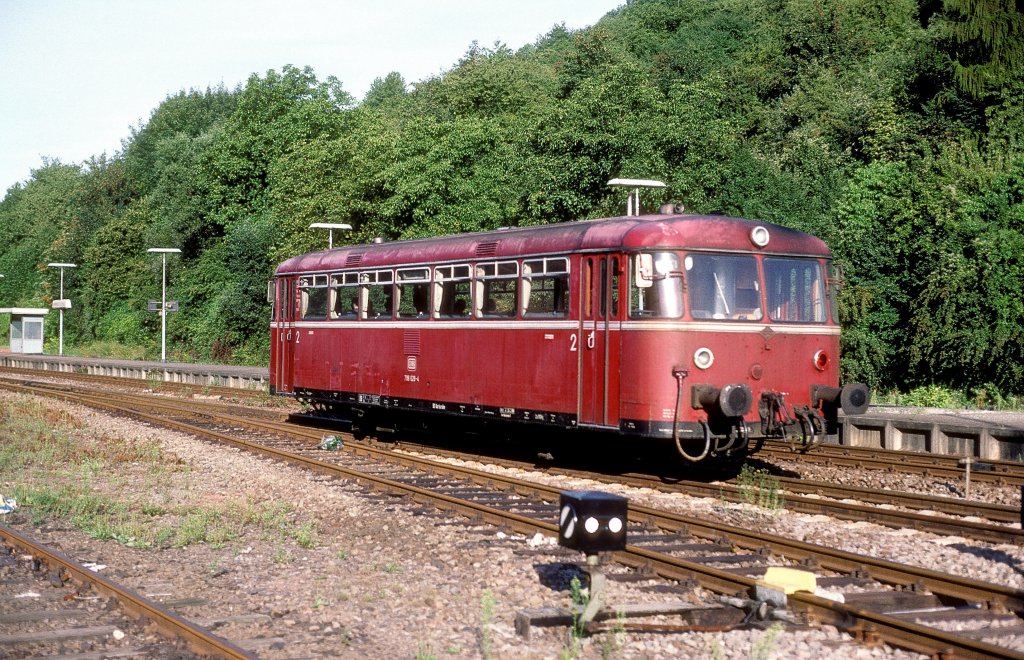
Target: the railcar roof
pixel 625 233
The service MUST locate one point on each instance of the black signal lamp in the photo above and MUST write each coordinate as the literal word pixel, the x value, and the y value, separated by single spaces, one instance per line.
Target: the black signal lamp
pixel 592 521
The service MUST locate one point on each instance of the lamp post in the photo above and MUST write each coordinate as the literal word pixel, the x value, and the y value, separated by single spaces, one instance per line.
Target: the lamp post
pixel 163 252
pixel 633 202
pixel 61 304
pixel 330 227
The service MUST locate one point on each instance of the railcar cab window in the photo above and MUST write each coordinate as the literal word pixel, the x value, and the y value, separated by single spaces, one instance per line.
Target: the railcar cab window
pixel 314 296
pixel 453 296
pixel 796 290
pixel 376 295
pixel 657 286
pixel 345 296
pixel 723 287
pixel 495 285
pixel 545 291
pixel 834 275
pixel 413 293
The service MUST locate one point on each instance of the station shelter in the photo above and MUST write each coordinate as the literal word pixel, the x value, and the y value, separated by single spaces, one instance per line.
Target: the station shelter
pixel 26 328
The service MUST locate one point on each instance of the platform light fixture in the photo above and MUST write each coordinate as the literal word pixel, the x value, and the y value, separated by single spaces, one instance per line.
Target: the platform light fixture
pixel 633 201
pixel 61 303
pixel 330 227
pixel 163 252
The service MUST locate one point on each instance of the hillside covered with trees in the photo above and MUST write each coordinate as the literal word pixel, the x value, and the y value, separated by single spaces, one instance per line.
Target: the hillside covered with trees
pixel 894 130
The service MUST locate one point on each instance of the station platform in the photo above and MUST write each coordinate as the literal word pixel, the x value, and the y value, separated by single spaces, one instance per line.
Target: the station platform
pixel 984 434
pixel 217 375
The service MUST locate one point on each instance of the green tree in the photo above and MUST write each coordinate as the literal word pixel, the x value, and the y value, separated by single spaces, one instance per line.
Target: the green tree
pixel 989 43
pixel 116 280
pixel 273 114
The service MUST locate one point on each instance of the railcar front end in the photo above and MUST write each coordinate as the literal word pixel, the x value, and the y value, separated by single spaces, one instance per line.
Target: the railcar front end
pixel 729 344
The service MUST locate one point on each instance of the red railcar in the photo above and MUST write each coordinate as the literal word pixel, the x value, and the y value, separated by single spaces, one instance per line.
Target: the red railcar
pixel 700 331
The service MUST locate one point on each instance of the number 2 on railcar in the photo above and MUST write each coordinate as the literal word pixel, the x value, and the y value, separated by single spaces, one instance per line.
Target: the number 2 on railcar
pixel 700 332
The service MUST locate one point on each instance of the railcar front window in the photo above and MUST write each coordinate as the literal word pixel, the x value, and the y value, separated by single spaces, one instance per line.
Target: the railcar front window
pixel 796 290
pixel 546 288
pixel 656 290
pixel 314 297
pixel 723 287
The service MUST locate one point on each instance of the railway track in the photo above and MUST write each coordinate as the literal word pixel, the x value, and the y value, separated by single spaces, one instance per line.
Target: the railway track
pixel 999 472
pixel 727 560
pixel 56 606
pixel 813 497
pixel 945 466
pixel 992 523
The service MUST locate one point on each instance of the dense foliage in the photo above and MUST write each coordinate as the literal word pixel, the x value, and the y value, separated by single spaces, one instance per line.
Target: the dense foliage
pixel 894 130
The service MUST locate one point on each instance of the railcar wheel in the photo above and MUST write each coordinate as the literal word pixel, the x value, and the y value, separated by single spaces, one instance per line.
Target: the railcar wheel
pixel 361 425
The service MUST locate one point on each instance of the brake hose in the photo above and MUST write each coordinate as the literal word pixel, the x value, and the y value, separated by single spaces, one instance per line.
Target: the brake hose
pixel 680 375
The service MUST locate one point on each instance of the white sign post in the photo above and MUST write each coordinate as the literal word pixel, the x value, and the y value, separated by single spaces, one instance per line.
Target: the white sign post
pixel 163 252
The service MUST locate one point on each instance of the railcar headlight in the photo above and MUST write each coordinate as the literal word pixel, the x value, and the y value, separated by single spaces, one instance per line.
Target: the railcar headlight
pixel 821 360
pixel 703 357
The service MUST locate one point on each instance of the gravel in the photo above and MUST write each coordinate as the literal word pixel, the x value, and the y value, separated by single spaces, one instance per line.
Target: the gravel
pixel 385 579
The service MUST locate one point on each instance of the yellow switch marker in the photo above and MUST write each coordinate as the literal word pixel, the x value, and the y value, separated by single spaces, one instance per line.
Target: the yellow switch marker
pixel 790 580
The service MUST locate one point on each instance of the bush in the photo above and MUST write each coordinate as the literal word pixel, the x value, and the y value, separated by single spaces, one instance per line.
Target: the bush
pixel 934 396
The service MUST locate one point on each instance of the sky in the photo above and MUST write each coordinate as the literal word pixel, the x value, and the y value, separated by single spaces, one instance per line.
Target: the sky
pixel 76 75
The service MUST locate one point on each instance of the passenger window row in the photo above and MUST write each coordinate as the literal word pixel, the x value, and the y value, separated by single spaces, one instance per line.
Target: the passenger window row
pixel 535 288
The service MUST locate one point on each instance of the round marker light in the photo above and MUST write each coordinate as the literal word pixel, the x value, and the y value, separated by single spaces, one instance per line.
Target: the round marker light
pixel 591 525
pixel 759 236
pixel 703 358
pixel 821 360
pixel 615 525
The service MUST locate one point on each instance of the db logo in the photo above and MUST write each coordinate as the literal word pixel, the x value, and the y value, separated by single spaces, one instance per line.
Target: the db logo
pixel 410 363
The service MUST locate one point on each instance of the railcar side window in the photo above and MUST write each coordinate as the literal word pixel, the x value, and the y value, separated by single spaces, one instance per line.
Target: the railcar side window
pixel 834 282
pixel 285 299
pixel 723 287
pixel 796 291
pixel 413 293
pixel 377 295
pixel 345 296
pixel 496 289
pixel 452 292
pixel 314 296
pixel 545 288
pixel 658 293
pixel 615 287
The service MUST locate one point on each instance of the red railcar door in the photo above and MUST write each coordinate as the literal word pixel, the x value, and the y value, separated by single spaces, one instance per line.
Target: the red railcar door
pixel 595 406
pixel 286 335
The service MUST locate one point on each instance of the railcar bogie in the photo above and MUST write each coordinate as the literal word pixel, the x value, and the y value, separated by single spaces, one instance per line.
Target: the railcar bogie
pixel 700 332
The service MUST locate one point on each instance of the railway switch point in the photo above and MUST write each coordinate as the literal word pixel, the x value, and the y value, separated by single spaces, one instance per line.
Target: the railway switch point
pixel 595 522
